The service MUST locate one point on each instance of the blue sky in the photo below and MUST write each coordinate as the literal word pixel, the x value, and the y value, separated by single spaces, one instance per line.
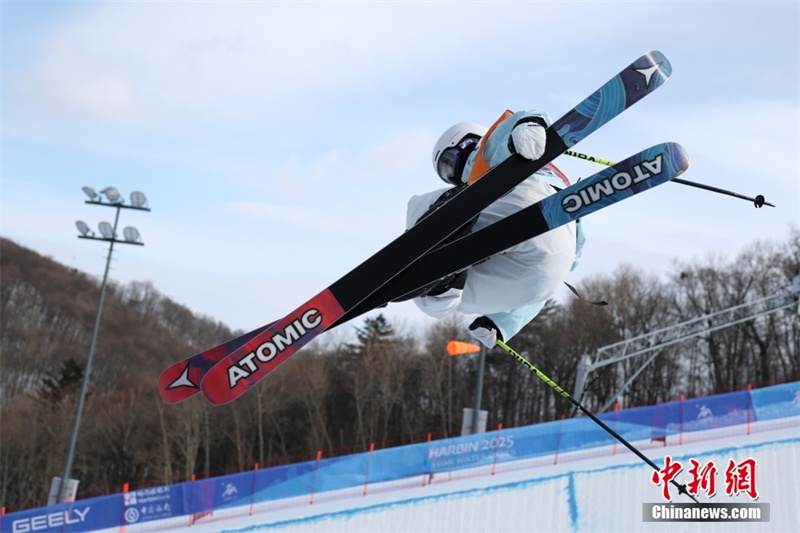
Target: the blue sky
pixel 278 142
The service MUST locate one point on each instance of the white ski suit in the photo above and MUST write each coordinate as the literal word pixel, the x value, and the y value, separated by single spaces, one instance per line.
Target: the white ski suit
pixel 512 287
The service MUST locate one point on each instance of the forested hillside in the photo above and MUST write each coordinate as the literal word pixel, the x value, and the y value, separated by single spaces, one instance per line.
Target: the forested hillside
pixel 384 386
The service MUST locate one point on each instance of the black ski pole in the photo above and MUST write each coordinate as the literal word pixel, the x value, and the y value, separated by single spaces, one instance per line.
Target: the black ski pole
pixel 565 394
pixel 758 201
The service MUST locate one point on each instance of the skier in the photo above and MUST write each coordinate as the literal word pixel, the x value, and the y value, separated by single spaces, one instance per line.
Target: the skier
pixel 509 289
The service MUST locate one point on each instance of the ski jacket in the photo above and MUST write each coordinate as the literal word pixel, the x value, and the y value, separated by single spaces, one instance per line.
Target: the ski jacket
pixel 512 287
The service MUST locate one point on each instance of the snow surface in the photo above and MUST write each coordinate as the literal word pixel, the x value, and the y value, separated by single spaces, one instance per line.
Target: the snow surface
pixel 596 490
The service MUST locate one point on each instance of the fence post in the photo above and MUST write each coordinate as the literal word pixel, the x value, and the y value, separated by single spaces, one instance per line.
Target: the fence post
pixel 749 406
pixel 316 472
pixel 425 476
pixel 658 425
pixel 558 441
pixel 125 488
pixel 69 507
pixel 191 502
pixel 496 446
pixel 253 489
pixel 616 420
pixel 369 463
pixel 680 439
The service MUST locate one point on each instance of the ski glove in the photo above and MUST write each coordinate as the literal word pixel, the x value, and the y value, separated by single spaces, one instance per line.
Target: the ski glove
pixel 528 139
pixel 485 331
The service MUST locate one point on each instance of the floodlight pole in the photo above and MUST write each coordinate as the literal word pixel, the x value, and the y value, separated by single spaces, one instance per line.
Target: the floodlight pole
pixel 449 392
pixel 458 348
pixel 73 437
pixel 478 389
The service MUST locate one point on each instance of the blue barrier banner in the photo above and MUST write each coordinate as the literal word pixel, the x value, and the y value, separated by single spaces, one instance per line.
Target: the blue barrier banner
pixel 202 495
pixel 495 446
pixel 717 411
pixel 469 451
pixel 284 481
pixel 581 433
pixel 643 423
pixel 526 442
pixel 235 489
pixel 102 512
pixel 82 515
pixel 388 465
pixel 155 503
pixel 341 472
pixel 780 401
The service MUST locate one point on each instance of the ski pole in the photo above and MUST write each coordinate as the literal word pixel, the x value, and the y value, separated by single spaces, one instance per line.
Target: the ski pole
pixel 565 394
pixel 591 158
pixel 758 201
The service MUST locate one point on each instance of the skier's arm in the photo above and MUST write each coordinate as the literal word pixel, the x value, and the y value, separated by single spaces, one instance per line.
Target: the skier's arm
pixel 500 145
pixel 507 323
pixel 511 322
pixel 528 138
pixel 580 240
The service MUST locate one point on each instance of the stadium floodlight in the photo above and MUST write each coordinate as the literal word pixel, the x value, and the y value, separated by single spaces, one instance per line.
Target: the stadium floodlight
pixel 109 235
pixel 84 228
pixel 106 230
pixel 131 234
pixel 112 194
pixel 138 199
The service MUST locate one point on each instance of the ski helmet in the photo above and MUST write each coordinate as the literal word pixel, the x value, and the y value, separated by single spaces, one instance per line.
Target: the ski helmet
pixel 452 149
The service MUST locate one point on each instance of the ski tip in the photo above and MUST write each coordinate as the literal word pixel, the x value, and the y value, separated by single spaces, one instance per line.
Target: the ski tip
pixel 680 158
pixel 176 384
pixel 655 57
pixel 676 158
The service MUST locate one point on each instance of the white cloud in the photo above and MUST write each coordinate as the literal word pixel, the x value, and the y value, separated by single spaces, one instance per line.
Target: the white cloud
pixel 398 157
pixel 211 61
pixel 230 62
pixel 322 221
pixel 757 137
pixel 71 84
pixel 298 179
pixel 380 166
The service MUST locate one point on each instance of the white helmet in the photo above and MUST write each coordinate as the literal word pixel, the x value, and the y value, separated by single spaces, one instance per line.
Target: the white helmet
pixel 452 149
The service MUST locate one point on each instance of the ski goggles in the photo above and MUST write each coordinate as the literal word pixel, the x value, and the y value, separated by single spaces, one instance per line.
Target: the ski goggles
pixel 453 160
